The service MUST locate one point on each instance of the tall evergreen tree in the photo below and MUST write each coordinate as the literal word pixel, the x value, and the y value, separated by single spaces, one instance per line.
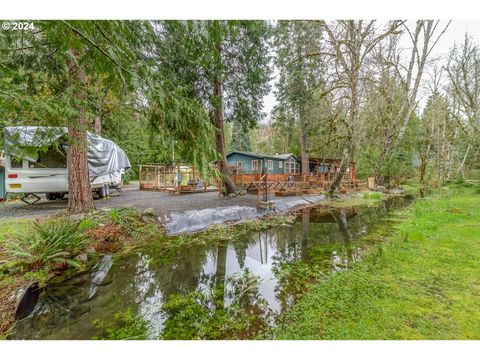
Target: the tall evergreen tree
pixel 224 66
pixel 301 76
pixel 240 137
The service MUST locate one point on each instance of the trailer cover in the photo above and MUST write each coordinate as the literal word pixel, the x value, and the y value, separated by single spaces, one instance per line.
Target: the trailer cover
pixel 104 156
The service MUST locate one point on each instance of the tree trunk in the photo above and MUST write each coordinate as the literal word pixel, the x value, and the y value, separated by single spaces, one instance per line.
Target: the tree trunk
pixel 410 96
pixel 426 153
pixel 462 165
pixel 97 125
pixel 341 220
pixel 304 150
pixel 228 185
pixel 220 273
pixel 349 145
pixel 80 197
pixel 305 233
pixel 423 164
pixel 346 159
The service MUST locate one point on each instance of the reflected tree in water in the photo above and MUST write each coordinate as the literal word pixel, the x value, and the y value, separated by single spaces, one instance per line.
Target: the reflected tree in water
pixel 305 233
pixel 243 312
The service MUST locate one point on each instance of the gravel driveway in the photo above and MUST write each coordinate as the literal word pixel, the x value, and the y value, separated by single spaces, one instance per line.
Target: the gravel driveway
pixel 162 203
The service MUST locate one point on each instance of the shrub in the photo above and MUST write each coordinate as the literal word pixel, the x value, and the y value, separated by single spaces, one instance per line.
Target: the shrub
pixel 129 176
pixel 374 195
pixel 126 217
pixel 125 326
pixel 52 242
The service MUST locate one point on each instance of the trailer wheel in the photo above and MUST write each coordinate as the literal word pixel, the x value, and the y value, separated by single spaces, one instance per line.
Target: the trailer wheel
pixel 103 192
pixel 50 196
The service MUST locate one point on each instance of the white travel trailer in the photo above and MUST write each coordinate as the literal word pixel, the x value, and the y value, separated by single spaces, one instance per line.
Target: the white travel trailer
pixel 30 171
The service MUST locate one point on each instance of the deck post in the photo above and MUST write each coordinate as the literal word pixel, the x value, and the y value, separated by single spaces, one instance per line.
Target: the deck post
pixel 177 175
pixel 259 179
pixel 164 177
pixel 193 177
pixel 140 175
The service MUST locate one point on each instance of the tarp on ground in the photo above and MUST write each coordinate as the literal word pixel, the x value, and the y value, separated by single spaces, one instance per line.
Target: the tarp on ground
pixel 104 156
pixel 195 220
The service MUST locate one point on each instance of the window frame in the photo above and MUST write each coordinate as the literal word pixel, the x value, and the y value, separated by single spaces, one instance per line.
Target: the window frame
pixel 11 160
pixel 270 165
pixel 254 165
pixel 49 152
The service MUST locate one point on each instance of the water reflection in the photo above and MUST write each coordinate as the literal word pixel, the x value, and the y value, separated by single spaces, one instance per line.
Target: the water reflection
pixel 321 237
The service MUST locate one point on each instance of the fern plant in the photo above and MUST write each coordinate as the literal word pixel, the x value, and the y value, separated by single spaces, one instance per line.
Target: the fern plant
pixel 54 242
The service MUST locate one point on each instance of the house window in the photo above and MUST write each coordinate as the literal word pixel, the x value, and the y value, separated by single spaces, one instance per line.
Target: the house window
pixel 239 165
pixel 297 168
pixel 280 164
pixel 270 165
pixel 288 167
pixel 254 164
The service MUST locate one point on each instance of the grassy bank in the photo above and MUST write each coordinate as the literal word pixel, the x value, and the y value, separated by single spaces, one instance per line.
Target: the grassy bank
pixel 421 283
pixel 367 198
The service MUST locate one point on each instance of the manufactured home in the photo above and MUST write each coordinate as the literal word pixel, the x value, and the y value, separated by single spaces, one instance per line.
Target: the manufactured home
pixel 249 168
pixel 243 162
pixel 36 162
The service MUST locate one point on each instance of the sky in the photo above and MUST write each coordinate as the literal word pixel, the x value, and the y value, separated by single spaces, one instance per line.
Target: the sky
pixel 455 33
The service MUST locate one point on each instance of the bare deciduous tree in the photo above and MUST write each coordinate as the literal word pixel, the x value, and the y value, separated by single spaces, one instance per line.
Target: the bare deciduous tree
pixel 351 43
pixel 424 31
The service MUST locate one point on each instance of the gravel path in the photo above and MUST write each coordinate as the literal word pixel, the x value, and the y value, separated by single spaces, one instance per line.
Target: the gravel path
pixel 162 203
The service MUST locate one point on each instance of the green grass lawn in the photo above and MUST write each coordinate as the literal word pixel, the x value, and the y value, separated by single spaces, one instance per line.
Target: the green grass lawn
pixel 12 227
pixel 421 283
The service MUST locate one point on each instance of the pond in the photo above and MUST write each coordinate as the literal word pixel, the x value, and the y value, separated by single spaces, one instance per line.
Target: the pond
pixel 70 305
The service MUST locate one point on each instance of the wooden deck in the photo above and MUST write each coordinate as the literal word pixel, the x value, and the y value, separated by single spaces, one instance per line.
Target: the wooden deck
pixel 286 182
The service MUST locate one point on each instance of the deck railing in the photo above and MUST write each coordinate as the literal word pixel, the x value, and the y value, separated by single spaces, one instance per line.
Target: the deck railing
pixel 180 177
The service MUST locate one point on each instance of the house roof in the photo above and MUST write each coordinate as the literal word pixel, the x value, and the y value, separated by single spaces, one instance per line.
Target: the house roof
pixel 257 155
pixel 285 156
